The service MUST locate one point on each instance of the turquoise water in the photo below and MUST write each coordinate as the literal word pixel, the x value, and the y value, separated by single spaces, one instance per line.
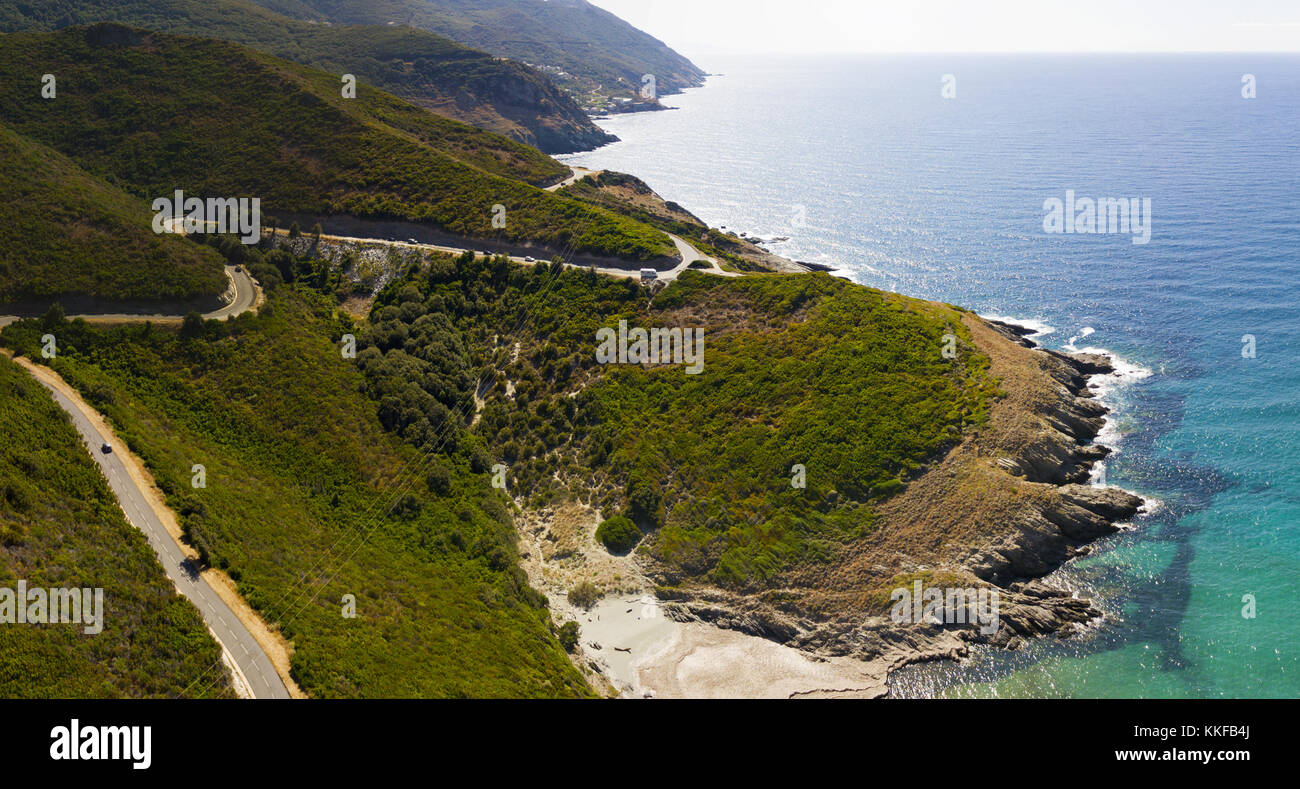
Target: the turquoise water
pixel 866 167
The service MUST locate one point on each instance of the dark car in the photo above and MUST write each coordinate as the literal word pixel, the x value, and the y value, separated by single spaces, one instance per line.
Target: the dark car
pixel 106 449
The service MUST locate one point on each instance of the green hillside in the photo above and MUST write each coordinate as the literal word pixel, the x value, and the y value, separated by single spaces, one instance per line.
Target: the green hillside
pixel 154 113
pixel 65 233
pixel 60 526
pixel 309 499
pixel 585 48
pixel 456 81
pixel 847 381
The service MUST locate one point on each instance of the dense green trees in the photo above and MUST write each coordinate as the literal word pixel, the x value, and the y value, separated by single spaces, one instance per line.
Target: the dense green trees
pixel 308 498
pixel 64 233
pixel 225 121
pixel 801 370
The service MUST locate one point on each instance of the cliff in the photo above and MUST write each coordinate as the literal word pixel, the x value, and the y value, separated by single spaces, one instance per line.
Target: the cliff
pixel 1001 510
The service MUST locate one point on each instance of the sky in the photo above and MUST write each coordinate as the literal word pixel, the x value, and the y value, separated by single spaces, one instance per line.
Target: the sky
pixel 699 27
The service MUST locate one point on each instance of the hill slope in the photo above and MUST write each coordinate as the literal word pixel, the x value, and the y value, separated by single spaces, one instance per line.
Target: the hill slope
pixel 154 113
pixel 455 81
pixel 64 233
pixel 61 527
pixel 309 500
pixel 587 49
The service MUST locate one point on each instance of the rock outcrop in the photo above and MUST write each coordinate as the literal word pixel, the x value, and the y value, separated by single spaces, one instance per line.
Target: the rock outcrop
pixel 999 513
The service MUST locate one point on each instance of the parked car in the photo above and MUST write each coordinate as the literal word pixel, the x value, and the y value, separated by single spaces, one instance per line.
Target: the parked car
pixel 648 274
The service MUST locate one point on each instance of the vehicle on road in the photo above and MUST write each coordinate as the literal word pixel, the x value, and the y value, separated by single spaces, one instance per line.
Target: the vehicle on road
pixel 530 259
pixel 106 449
pixel 648 274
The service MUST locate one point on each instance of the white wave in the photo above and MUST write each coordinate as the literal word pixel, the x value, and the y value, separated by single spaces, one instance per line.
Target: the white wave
pixel 1104 387
pixel 1038 328
pixel 1084 332
pixel 1126 372
pixel 1150 504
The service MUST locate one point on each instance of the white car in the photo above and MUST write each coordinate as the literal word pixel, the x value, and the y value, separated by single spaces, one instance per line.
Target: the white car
pixel 648 274
pixel 530 259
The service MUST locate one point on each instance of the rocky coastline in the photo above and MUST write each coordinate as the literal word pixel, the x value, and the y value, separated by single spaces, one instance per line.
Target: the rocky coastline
pixel 1058 515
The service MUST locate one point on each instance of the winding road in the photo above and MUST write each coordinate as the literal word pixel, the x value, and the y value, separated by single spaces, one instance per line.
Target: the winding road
pixel 255 674
pixel 578 173
pixel 688 254
pixel 247 295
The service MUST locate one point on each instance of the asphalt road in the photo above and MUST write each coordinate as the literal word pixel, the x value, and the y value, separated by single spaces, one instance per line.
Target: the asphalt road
pixel 254 665
pixel 688 253
pixel 578 173
pixel 245 297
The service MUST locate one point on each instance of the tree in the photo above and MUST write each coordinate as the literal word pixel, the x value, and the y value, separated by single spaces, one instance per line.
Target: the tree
pixel 644 502
pixel 439 478
pixel 568 636
pixel 192 326
pixel 54 317
pixel 618 534
pixel 584 595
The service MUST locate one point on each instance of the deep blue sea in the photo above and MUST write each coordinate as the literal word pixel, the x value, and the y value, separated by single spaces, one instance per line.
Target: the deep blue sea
pixel 866 166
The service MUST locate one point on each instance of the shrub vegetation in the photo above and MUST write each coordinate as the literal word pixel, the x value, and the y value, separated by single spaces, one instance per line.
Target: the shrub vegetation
pixel 618 534
pixel 61 526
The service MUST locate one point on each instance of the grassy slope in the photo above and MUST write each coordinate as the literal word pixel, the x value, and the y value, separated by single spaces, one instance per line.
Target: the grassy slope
pixel 599 50
pixel 630 196
pixel 298 469
pixel 436 72
pixel 61 526
pixel 63 232
pixel 806 369
pixel 154 113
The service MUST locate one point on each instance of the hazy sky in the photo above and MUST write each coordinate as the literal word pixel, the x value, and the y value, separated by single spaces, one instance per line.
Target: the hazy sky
pixel 697 27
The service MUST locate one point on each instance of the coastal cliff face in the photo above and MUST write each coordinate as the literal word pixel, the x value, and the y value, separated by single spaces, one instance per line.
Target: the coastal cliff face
pixel 590 52
pixel 1005 507
pixel 511 99
pixel 455 81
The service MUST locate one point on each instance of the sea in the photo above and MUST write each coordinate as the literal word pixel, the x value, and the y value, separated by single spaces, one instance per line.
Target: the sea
pixel 956 178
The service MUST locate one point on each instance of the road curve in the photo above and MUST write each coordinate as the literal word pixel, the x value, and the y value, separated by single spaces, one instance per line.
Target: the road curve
pixel 577 174
pixel 688 253
pixel 255 669
pixel 247 295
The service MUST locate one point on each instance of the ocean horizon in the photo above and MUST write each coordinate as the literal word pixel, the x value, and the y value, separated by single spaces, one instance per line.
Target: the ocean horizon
pixel 965 179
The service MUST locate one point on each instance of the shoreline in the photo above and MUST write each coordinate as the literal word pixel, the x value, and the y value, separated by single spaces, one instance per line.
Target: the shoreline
pixel 1065 519
pixel 717 644
pixel 1048 480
